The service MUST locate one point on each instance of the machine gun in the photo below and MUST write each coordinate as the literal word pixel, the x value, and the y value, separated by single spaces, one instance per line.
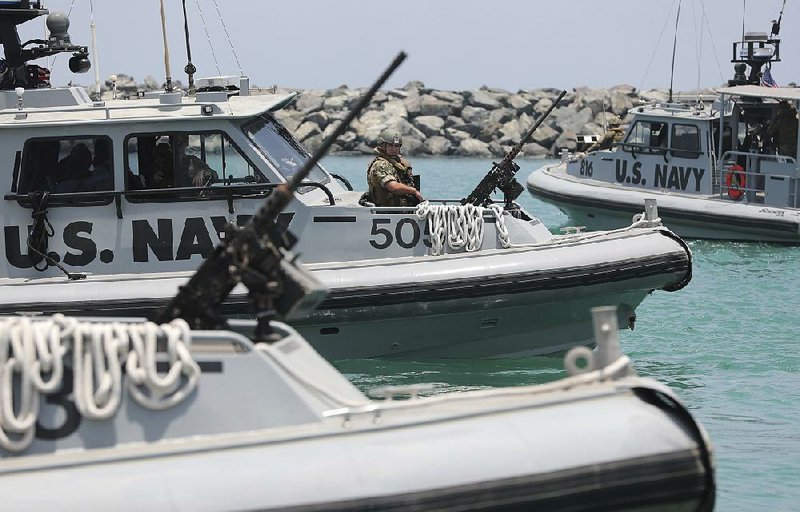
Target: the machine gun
pixel 501 176
pixel 257 256
pixel 19 72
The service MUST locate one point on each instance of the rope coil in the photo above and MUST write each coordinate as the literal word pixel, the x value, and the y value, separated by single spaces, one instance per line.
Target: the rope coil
pixel 460 226
pixel 33 355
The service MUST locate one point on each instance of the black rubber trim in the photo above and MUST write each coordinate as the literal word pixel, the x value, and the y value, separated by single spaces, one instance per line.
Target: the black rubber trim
pixel 676 410
pixel 540 280
pixel 333 218
pixel 779 226
pixel 622 485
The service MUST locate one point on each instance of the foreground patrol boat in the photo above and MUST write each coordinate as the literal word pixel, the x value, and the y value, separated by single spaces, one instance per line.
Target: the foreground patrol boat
pixel 299 436
pixel 112 240
pixel 711 183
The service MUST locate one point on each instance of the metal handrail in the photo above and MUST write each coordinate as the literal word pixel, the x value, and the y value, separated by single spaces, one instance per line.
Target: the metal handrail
pixel 216 193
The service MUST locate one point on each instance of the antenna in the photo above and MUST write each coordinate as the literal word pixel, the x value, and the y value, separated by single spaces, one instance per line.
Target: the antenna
pixel 674 46
pixel 166 48
pixel 189 69
pixel 92 26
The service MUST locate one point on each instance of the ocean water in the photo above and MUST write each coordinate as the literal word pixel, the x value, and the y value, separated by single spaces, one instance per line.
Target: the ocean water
pixel 727 344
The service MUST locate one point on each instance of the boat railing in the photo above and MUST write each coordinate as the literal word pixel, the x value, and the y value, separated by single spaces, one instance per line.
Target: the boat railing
pixel 164 195
pixel 772 180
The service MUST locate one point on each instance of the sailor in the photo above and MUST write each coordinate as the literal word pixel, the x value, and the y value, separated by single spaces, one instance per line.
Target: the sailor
pixel 192 171
pixel 612 137
pixel 782 132
pixel 389 177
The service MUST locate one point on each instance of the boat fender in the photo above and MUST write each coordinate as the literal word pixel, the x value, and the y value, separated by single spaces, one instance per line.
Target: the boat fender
pixel 735 181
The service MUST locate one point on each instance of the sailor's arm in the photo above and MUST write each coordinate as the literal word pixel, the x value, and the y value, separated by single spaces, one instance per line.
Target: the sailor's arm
pixel 398 189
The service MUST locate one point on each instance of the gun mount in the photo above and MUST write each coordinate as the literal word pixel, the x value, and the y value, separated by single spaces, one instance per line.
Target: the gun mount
pixel 257 256
pixel 501 175
pixel 15 70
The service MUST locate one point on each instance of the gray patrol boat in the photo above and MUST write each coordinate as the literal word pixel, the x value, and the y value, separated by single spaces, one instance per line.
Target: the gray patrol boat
pixel 96 221
pixel 723 170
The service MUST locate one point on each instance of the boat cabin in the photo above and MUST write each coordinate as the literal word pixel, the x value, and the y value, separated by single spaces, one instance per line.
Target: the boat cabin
pixel 681 148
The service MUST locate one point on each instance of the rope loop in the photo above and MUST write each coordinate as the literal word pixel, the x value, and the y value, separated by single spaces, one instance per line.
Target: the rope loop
pixel 33 355
pixel 460 226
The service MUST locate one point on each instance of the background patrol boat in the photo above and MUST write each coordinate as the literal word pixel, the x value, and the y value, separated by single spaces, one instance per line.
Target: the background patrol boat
pixel 299 436
pixel 112 239
pixel 730 184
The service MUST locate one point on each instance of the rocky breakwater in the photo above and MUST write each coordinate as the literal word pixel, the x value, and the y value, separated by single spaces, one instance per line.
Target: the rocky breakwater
pixel 480 123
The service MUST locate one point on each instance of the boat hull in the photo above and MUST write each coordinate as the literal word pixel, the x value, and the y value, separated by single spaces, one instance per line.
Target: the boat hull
pixel 603 440
pixel 521 301
pixel 600 206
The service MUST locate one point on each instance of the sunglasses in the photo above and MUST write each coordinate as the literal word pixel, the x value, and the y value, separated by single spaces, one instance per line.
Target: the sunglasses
pixel 389 144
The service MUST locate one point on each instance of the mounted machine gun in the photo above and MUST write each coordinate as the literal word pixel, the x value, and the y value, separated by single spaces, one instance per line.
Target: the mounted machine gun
pixel 501 176
pixel 257 256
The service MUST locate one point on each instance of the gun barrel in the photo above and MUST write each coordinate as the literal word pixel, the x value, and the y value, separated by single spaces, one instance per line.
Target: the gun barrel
pixel 518 147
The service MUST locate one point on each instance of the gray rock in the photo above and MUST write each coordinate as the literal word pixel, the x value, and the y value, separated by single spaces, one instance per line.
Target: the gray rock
pixel 473 129
pixel 472 147
pixel 510 133
pixel 520 104
pixel 319 118
pixel 620 103
pixel 413 104
pixel 456 135
pixel 534 149
pixel 541 106
pixel 483 99
pixel 395 108
pixel 306 131
pixel 452 121
pixel 335 102
pixel 544 135
pixel 472 114
pixel 432 106
pixel 567 140
pixel 502 115
pixel 413 145
pixel 454 98
pixel 429 125
pixel 438 145
pixel 309 102
pixel 497 149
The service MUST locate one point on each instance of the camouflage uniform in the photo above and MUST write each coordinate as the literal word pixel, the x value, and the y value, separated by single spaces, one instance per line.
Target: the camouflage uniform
pixel 783 132
pixel 612 137
pixel 382 170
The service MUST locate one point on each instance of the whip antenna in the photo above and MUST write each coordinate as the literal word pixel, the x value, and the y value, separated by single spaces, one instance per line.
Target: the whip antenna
pixel 189 69
pixel 674 46
pixel 92 26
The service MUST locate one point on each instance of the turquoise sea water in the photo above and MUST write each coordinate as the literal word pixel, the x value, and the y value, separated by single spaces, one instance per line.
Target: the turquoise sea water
pixel 727 344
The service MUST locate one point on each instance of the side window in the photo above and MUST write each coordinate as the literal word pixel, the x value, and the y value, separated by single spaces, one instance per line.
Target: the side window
pixel 186 160
pixel 685 141
pixel 62 166
pixel 647 137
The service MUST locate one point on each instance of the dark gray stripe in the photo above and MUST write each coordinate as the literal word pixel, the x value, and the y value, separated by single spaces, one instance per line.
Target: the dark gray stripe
pixel 334 219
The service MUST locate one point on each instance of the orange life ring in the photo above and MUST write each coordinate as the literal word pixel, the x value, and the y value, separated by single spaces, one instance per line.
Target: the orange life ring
pixel 735 181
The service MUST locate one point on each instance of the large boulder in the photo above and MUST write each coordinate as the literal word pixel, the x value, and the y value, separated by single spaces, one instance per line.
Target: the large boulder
pixel 483 99
pixel 309 101
pixel 472 147
pixel 429 125
pixel 438 145
pixel 432 106
pixel 472 114
pixel 307 130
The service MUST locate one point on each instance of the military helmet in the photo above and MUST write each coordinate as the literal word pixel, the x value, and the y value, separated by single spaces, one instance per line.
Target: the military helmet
pixel 614 120
pixel 389 136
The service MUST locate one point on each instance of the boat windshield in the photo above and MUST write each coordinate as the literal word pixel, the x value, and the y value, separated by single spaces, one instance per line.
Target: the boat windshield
pixel 282 150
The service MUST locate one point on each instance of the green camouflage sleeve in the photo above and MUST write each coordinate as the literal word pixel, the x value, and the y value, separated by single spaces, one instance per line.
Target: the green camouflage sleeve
pixel 383 173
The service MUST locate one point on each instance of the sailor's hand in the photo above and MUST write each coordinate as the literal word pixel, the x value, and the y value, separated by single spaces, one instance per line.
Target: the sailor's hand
pixel 418 196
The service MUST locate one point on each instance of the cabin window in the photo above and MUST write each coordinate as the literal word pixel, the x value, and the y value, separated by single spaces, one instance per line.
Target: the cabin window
pixel 75 165
pixel 685 141
pixel 186 160
pixel 282 150
pixel 647 137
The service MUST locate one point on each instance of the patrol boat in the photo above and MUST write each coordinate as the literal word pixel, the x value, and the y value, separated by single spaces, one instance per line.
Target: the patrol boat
pixel 734 183
pixel 440 280
pixel 102 420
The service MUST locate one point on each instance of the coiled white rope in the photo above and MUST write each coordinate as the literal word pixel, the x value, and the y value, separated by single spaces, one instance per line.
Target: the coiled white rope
pixel 32 358
pixel 460 226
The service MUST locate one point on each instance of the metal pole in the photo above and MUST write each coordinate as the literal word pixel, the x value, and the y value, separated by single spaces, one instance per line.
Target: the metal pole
pixel 166 48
